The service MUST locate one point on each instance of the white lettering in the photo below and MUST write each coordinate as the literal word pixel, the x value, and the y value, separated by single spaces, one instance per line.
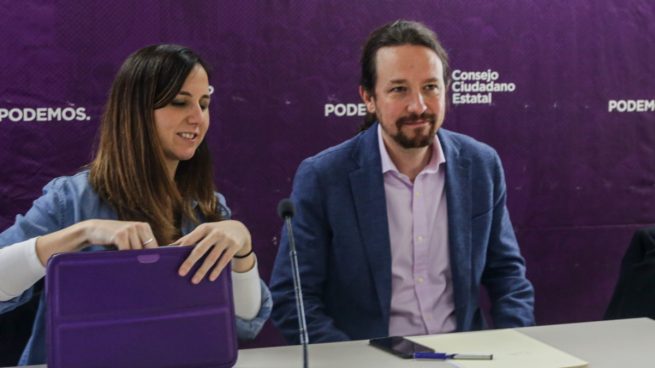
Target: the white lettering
pixel 15 114
pixel 485 76
pixel 477 87
pixel 362 109
pixel 43 114
pixel 54 114
pixel 29 114
pixel 80 114
pixel 68 114
pixel 329 108
pixel 340 110
pixel 631 105
pixel 468 98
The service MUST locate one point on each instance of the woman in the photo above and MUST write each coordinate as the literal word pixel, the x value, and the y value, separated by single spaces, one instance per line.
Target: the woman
pixel 150 184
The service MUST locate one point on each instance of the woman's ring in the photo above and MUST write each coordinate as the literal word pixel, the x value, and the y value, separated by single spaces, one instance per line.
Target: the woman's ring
pixel 148 241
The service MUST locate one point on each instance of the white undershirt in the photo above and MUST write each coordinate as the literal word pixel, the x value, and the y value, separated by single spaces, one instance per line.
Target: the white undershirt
pixel 20 268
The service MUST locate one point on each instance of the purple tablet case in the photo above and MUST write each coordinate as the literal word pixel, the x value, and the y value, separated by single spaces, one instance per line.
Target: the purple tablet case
pixel 132 309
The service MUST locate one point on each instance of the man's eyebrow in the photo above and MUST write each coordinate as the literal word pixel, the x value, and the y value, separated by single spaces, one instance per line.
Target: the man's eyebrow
pixel 402 81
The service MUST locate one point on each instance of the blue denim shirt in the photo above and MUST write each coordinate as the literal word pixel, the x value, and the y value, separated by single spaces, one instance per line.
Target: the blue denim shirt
pixel 68 200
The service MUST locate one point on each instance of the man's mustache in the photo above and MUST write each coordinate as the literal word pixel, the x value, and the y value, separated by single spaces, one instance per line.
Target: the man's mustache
pixel 430 118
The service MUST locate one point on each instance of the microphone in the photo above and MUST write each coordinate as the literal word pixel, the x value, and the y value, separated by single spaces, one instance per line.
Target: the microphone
pixel 286 211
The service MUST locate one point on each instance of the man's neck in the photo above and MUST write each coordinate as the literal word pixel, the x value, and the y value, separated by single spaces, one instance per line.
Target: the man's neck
pixel 409 161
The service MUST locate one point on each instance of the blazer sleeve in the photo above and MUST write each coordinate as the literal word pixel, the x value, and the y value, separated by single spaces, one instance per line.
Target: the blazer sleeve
pixel 511 293
pixel 312 238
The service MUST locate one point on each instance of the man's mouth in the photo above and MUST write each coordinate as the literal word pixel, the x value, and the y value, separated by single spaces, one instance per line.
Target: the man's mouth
pixel 415 122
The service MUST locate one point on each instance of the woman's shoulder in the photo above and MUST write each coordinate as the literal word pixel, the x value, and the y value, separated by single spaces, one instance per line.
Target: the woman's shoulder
pixel 77 182
pixel 75 194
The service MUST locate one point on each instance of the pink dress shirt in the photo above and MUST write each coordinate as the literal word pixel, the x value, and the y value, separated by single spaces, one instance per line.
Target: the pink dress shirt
pixel 421 281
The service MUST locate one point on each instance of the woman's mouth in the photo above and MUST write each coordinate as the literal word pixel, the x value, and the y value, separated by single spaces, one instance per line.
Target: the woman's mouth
pixel 187 135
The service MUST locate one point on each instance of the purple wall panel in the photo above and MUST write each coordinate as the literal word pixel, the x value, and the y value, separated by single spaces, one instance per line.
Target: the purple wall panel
pixel 580 178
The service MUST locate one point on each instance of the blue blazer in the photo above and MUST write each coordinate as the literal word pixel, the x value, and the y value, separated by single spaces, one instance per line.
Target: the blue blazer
pixel 342 239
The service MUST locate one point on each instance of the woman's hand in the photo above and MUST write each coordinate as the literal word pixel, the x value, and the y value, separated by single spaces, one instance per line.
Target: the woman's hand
pixel 123 234
pixel 220 241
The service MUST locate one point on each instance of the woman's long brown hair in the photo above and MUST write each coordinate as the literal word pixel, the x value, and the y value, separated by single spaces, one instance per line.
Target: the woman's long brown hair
pixel 129 171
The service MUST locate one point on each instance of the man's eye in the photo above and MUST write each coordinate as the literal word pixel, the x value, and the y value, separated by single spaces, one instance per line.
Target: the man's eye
pixel 432 87
pixel 398 89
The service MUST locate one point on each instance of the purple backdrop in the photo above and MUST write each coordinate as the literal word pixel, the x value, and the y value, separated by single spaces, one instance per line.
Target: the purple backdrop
pixel 574 122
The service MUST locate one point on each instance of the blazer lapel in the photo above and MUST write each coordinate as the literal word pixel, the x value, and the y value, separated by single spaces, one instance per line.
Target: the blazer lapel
pixel 458 195
pixel 367 185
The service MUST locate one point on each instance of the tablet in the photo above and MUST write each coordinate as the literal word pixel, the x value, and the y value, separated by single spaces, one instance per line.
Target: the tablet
pixel 132 309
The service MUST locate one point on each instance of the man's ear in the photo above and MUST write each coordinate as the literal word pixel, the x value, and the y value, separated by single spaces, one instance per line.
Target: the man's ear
pixel 368 100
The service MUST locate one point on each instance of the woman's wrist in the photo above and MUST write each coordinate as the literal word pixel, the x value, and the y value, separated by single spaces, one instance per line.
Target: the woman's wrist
pixel 244 264
pixel 244 254
pixel 70 239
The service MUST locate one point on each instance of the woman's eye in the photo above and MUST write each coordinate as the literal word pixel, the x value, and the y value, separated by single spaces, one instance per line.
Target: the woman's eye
pixel 178 103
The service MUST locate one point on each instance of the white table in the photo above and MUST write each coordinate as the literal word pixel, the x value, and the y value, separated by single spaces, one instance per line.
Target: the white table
pixel 605 344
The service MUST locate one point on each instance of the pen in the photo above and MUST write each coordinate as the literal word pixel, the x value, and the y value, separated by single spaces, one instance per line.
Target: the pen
pixel 443 356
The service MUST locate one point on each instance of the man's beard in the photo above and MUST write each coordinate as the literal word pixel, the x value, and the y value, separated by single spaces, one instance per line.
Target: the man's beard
pixel 419 139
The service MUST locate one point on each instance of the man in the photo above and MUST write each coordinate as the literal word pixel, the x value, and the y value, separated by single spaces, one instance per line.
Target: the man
pixel 397 230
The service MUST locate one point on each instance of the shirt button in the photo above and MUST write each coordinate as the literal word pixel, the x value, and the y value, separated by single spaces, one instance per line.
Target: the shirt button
pixel 419 238
pixel 420 280
pixel 428 318
pixel 418 194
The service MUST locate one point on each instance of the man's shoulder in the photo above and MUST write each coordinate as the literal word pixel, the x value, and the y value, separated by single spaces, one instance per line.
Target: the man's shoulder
pixel 465 146
pixel 336 157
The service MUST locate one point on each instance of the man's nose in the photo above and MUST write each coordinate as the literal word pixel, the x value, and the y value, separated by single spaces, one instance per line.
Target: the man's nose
pixel 416 104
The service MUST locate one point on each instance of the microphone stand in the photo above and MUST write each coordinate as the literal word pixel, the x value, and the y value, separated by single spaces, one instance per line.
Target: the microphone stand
pixel 300 307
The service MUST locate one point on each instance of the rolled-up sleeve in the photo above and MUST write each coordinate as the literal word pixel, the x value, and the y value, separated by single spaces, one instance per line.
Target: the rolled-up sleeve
pixel 43 217
pixel 247 329
pixel 20 268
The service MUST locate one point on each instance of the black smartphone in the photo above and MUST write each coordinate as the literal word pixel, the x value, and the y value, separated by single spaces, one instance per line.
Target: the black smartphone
pixel 399 346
